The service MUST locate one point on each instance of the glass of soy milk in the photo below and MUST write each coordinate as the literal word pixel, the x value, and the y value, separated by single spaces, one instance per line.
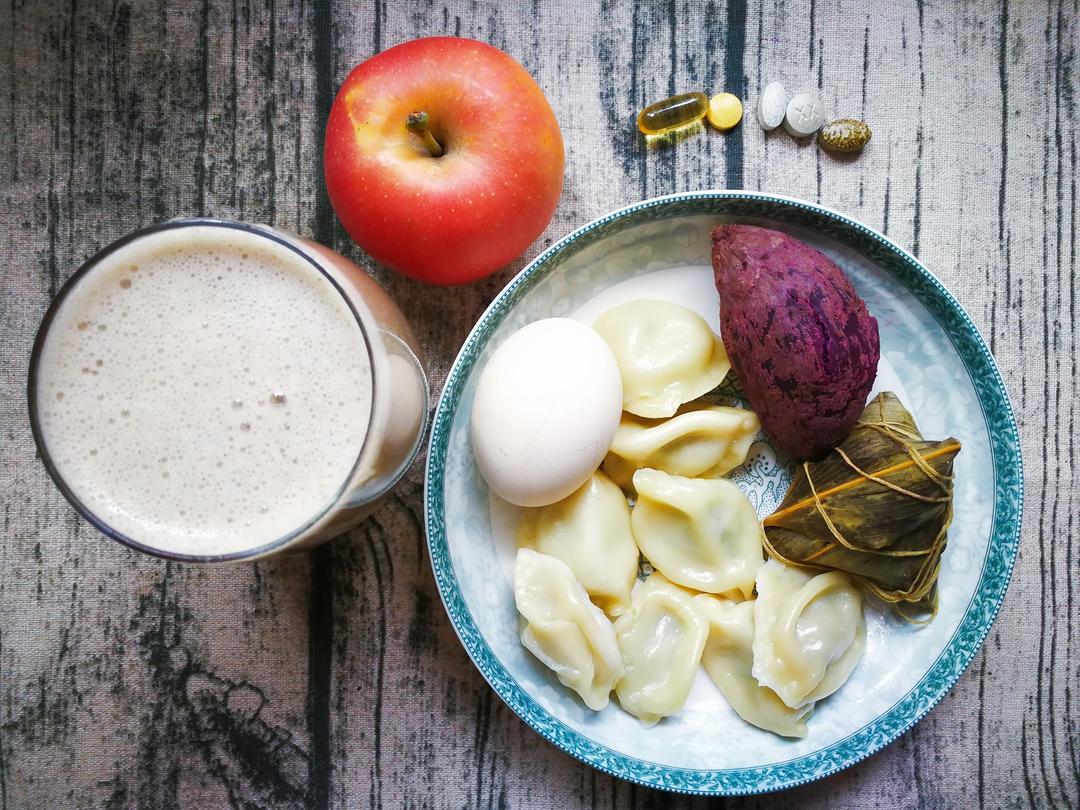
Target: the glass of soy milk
pixel 208 390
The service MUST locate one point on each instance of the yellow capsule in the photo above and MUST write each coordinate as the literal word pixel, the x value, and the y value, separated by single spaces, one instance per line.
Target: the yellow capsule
pixel 673 113
pixel 725 111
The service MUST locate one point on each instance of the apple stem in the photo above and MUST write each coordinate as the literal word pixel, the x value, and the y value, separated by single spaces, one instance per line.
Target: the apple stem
pixel 419 124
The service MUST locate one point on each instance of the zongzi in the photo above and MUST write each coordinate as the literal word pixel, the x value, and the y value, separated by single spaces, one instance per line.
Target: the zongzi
pixel 878 506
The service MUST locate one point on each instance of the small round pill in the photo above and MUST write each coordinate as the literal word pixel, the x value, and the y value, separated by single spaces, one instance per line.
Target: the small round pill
pixel 725 111
pixel 804 116
pixel 772 106
pixel 844 135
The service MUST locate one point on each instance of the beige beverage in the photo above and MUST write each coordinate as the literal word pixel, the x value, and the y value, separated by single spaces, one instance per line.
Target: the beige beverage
pixel 215 390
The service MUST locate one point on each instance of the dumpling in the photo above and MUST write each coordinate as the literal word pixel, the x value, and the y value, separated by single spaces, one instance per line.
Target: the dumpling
pixel 729 660
pixel 566 631
pixel 667 355
pixel 661 638
pixel 809 632
pixel 705 442
pixel 590 532
pixel 699 533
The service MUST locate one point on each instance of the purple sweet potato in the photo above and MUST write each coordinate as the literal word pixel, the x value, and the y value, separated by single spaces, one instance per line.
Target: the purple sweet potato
pixel 799 337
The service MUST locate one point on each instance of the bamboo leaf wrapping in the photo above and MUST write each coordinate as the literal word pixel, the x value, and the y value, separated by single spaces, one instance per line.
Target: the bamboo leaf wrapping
pixel 878 507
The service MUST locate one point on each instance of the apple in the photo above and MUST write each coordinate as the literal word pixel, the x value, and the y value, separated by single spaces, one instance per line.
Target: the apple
pixel 443 159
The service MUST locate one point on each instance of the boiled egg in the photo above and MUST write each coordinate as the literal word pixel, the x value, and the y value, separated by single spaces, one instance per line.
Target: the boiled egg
pixel 546 409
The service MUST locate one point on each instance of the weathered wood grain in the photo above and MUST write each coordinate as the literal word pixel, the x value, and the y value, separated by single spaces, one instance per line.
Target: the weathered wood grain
pixel 334 679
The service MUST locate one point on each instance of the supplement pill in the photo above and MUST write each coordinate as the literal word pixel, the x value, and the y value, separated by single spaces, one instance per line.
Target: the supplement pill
pixel 844 135
pixel 673 113
pixel 772 106
pixel 725 111
pixel 804 116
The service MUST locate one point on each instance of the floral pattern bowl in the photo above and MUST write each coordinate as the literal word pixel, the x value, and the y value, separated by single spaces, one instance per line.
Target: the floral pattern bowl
pixel 931 356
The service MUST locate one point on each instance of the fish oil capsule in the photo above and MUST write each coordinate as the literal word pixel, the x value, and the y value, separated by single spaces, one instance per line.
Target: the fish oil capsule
pixel 673 113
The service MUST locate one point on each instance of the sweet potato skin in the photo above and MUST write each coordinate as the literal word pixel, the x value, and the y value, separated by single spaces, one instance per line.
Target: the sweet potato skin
pixel 801 341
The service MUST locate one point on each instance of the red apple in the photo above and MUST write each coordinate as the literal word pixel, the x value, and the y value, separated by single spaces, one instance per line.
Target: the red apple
pixel 443 159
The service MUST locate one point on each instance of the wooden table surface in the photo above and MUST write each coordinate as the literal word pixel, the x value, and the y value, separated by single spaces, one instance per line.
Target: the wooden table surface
pixel 334 679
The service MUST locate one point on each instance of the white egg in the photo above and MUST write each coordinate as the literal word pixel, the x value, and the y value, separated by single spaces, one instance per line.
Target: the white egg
pixel 546 410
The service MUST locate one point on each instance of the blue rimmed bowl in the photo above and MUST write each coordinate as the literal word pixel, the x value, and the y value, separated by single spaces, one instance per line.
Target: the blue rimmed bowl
pixel 931 355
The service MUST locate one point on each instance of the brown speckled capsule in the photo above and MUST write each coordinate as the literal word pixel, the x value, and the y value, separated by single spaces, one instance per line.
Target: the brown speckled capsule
pixel 844 135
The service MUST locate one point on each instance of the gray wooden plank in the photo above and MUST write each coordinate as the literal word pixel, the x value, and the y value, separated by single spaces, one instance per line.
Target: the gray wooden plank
pixel 126 676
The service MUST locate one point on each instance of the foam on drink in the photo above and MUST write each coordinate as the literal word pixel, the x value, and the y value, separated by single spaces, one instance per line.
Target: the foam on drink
pixel 204 390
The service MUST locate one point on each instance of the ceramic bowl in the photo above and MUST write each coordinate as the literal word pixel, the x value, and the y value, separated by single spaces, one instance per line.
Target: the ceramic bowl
pixel 931 356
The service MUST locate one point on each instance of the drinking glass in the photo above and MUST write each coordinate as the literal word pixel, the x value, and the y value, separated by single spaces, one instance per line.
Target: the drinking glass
pixel 398 414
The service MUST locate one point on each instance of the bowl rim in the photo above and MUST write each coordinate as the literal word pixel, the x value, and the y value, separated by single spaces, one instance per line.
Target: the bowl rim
pixel 941 675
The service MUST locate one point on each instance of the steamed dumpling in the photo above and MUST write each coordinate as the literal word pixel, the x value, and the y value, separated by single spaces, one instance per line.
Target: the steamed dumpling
pixel 661 638
pixel 729 660
pixel 590 532
pixel 566 631
pixel 698 441
pixel 809 632
pixel 699 533
pixel 667 355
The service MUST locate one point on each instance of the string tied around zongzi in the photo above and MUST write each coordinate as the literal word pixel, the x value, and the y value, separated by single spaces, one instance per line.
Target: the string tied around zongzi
pixel 878 506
